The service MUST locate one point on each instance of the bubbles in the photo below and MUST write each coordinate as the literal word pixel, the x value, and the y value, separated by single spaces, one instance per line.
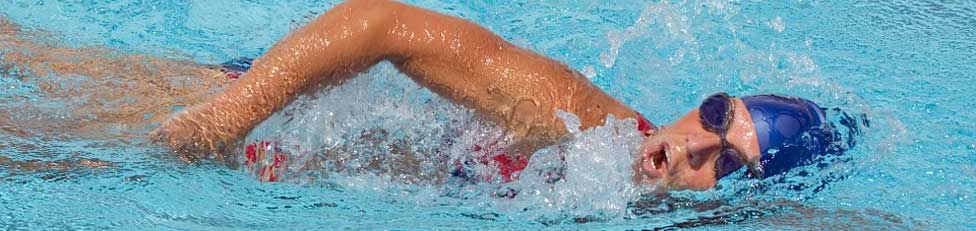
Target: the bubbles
pixel 399 138
pixel 596 173
pixel 393 128
pixel 777 24
pixel 588 71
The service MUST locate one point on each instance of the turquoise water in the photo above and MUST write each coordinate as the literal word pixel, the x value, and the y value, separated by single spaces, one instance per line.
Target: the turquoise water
pixel 906 65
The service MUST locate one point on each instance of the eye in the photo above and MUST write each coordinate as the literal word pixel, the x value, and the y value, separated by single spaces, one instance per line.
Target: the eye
pixel 725 165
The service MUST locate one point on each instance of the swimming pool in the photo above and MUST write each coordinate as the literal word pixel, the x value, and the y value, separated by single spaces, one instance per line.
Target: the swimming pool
pixel 906 65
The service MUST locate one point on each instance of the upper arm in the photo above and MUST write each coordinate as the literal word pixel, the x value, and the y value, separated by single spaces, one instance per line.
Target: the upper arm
pixel 472 66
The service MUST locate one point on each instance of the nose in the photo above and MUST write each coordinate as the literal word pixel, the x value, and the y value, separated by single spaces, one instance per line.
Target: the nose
pixel 702 141
pixel 699 146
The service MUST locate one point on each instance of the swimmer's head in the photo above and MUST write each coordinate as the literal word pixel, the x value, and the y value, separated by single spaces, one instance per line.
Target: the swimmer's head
pixel 766 134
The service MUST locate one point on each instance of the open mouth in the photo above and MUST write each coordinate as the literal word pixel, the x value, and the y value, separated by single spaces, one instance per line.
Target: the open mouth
pixel 655 163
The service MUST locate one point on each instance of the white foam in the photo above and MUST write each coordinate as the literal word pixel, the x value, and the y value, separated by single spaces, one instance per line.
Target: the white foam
pixel 777 24
pixel 597 162
pixel 597 176
pixel 588 71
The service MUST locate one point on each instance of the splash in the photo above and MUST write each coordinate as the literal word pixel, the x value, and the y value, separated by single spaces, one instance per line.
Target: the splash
pixel 668 17
pixel 777 24
pixel 402 139
pixel 596 173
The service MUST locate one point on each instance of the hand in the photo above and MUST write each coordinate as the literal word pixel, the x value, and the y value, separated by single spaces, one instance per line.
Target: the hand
pixel 191 135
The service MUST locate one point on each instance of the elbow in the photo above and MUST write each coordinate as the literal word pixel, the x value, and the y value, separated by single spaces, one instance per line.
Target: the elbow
pixel 372 16
pixel 370 9
pixel 367 2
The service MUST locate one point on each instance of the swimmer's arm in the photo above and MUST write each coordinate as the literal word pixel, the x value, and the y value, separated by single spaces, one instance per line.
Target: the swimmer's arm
pixel 455 58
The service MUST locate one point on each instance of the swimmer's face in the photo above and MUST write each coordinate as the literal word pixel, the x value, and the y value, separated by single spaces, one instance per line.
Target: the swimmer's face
pixel 683 155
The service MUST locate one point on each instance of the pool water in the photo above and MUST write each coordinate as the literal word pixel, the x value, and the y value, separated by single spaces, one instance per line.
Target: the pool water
pixel 904 70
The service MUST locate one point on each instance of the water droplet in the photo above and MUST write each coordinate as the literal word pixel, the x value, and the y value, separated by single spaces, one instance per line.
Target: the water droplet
pixel 777 24
pixel 589 71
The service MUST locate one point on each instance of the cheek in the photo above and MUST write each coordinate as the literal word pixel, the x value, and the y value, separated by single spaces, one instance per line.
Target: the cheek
pixel 701 178
pixel 700 183
pixel 701 148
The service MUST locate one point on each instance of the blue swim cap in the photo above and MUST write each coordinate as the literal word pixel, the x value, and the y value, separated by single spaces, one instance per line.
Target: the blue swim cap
pixel 791 131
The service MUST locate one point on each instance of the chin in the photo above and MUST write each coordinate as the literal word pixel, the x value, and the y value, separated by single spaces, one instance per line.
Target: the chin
pixel 699 185
pixel 648 183
pixel 651 185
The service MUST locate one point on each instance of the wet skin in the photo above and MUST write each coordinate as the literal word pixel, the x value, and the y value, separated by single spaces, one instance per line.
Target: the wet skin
pixel 458 60
pixel 106 95
pixel 683 154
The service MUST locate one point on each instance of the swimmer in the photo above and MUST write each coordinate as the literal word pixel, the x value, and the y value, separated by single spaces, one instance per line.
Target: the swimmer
pixel 514 87
pixel 457 59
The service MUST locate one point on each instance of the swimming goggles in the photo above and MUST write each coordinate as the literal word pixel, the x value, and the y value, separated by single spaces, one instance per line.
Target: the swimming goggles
pixel 715 114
